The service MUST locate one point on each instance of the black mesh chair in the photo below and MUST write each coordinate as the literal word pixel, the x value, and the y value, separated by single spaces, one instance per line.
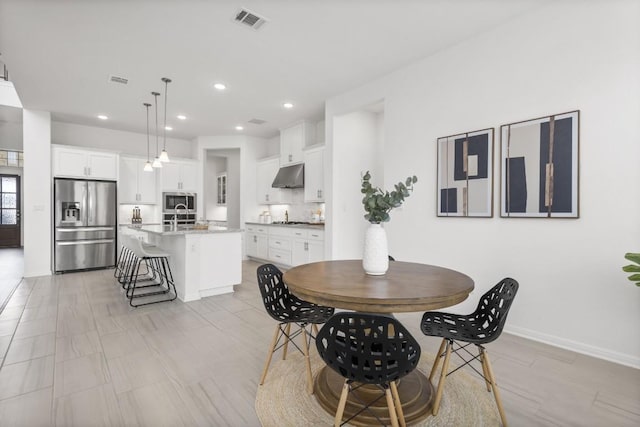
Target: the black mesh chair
pixel 478 328
pixel 286 309
pixel 368 349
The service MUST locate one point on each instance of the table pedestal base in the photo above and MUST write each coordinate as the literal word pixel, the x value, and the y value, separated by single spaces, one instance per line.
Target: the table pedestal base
pixel 415 390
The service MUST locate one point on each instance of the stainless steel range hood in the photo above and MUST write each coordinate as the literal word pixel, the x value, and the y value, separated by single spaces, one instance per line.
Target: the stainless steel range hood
pixel 290 177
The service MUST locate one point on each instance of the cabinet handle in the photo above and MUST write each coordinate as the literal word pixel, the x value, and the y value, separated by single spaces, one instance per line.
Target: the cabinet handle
pixel 290 157
pixel 319 193
pixel 306 246
pixel 266 197
pixel 255 239
pixel 88 171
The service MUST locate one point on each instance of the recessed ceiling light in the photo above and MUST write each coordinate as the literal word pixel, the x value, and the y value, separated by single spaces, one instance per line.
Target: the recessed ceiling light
pixel 102 117
pixel 239 128
pixel 220 86
pixel 287 105
pixel 168 128
pixel 181 117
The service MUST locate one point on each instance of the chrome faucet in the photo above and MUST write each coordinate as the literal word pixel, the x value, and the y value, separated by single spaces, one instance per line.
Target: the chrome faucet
pixel 175 217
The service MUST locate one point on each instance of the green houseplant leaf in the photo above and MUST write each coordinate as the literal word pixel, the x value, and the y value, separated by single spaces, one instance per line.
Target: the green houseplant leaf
pixel 631 268
pixel 378 203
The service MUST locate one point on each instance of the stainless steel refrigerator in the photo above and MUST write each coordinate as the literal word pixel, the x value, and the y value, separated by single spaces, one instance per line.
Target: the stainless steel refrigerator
pixel 85 224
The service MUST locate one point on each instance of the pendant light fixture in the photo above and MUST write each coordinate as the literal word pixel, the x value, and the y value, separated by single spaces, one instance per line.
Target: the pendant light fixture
pixel 147 166
pixel 156 162
pixel 164 156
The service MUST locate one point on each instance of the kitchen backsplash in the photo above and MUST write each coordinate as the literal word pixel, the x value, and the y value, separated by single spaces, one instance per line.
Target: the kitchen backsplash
pixel 298 209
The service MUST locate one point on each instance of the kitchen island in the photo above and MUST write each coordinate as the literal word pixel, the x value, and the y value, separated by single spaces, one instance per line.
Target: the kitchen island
pixel 204 262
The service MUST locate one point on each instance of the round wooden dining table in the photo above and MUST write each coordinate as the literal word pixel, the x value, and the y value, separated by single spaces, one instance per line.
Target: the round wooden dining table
pixel 406 287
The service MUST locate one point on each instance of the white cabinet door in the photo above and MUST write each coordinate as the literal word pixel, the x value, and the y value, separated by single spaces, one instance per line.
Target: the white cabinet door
pixel 252 244
pixel 292 141
pixel 103 165
pixel 69 162
pixel 265 172
pixel 315 250
pixel 135 186
pixel 189 177
pixel 76 163
pixel 314 175
pixel 128 182
pixel 299 253
pixel 180 176
pixel 262 246
pixel 170 176
pixel 146 185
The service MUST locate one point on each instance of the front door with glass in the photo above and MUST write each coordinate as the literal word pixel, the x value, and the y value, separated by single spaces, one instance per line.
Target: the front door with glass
pixel 9 211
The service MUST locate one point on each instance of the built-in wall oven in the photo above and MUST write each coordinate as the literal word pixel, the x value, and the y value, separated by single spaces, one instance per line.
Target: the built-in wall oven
pixel 180 205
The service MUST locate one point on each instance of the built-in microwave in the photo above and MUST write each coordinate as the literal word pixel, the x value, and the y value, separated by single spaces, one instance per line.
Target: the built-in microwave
pixel 171 200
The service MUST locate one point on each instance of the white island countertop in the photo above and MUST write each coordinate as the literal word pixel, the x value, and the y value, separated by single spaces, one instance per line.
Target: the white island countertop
pixel 168 230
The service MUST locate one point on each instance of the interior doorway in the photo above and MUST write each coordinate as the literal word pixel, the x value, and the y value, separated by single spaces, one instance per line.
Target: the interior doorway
pixel 9 211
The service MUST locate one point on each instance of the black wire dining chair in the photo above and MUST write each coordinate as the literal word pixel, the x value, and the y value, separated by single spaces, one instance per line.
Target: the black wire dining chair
pixel 286 309
pixel 482 326
pixel 368 349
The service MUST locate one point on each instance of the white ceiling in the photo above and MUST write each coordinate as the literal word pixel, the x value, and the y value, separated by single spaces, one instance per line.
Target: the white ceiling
pixel 60 54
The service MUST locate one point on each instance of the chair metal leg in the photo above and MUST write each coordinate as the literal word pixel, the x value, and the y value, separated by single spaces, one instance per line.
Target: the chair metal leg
pixel 393 417
pixel 272 348
pixel 305 348
pixel 315 328
pixel 341 404
pixel 437 361
pixel 443 375
pixel 396 399
pixel 286 341
pixel 494 386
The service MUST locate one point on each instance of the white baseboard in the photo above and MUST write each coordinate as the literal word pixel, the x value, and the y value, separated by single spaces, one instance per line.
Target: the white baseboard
pixel 36 273
pixel 578 347
pixel 216 291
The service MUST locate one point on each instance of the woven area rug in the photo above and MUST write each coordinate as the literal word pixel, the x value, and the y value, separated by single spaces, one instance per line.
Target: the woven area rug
pixel 283 400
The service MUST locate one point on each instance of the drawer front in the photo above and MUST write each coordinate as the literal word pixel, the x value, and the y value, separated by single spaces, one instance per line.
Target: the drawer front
pixel 281 231
pixel 300 233
pixel 316 234
pixel 281 243
pixel 280 256
pixel 260 229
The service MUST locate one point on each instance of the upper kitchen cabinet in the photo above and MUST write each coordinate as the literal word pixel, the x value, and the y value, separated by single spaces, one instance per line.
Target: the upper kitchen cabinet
pixel 293 139
pixel 265 173
pixel 180 175
pixel 78 163
pixel 314 175
pixel 135 185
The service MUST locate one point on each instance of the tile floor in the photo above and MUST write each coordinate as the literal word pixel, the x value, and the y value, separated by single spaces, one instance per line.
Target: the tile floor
pixel 11 268
pixel 75 354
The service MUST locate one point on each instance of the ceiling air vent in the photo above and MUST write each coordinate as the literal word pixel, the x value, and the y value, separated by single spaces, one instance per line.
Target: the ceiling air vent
pixel 250 19
pixel 118 79
pixel 257 121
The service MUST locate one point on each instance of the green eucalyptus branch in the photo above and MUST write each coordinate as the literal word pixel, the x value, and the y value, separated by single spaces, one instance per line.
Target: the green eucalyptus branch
pixel 378 203
pixel 633 268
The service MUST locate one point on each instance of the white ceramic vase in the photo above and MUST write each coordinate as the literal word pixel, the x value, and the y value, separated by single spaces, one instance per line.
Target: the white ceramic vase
pixel 375 259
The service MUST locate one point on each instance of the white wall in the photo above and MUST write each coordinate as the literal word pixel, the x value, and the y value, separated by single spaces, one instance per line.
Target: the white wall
pixel 355 150
pixel 37 186
pixel 116 140
pixel 11 135
pixel 562 57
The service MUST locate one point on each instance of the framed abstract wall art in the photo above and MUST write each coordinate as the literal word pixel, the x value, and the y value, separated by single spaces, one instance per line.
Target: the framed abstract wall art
pixel 539 167
pixel 465 174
